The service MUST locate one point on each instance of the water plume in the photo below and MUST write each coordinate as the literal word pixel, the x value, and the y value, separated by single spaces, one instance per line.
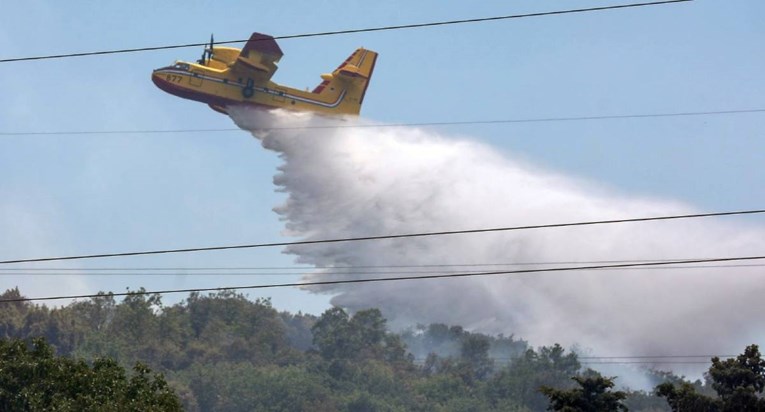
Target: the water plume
pixel 363 179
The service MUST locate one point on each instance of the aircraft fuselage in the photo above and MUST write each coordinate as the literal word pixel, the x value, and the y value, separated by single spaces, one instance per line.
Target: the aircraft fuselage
pixel 232 77
pixel 220 89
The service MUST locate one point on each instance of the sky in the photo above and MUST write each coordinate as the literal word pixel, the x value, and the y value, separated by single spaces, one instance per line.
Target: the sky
pixel 99 193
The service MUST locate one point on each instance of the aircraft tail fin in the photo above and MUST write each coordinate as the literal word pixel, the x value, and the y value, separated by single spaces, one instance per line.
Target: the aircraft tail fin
pixel 352 77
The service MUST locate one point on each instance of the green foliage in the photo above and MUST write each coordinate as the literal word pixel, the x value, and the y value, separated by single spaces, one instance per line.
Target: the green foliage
pixel 521 379
pixel 12 315
pixel 368 402
pixel 684 397
pixel 34 379
pixel 738 383
pixel 333 336
pixel 298 329
pixel 245 387
pixel 363 336
pixel 475 353
pixel 225 352
pixel 459 353
pixel 642 401
pixel 441 389
pixel 446 341
pixel 593 394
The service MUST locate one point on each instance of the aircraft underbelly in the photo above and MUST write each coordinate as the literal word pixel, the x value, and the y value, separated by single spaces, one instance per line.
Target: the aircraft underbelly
pixel 220 93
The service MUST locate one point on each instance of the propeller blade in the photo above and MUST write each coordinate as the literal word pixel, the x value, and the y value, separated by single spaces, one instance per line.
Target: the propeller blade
pixel 210 50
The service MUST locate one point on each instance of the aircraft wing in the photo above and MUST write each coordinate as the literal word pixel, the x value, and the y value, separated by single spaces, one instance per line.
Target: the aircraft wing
pixel 258 58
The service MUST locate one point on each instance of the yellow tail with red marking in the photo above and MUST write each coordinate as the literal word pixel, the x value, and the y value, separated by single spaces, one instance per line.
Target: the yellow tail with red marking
pixel 349 82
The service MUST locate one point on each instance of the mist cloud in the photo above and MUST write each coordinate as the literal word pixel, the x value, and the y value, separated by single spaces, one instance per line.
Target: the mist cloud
pixel 360 181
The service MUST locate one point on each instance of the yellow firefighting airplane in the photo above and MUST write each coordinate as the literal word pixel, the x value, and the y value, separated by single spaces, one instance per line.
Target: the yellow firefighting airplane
pixel 227 76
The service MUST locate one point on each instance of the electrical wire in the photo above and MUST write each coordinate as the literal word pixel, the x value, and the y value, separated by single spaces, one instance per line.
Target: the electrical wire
pixel 419 361
pixel 413 124
pixel 370 238
pixel 646 362
pixel 609 360
pixel 349 267
pixel 613 360
pixel 618 358
pixel 385 279
pixel 583 361
pixel 350 31
pixel 317 273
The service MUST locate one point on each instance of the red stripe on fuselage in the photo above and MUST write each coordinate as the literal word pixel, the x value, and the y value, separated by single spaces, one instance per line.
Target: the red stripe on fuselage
pixel 211 100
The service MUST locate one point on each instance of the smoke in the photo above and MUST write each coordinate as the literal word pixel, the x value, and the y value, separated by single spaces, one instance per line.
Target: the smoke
pixel 369 180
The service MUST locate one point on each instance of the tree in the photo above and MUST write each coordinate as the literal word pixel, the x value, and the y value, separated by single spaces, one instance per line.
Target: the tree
pixel 593 394
pixel 32 378
pixel 298 329
pixel 228 326
pixel 737 381
pixel 683 397
pixel 243 387
pixel 363 336
pixel 521 379
pixel 331 334
pixel 13 313
pixel 475 352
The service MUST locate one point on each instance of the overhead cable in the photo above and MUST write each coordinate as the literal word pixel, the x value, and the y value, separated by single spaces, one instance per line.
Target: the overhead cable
pixel 384 279
pixel 381 237
pixel 345 125
pixel 341 267
pixel 23 272
pixel 349 31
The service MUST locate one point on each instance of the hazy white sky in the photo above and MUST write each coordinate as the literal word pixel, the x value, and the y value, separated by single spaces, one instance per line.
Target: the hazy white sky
pixel 62 195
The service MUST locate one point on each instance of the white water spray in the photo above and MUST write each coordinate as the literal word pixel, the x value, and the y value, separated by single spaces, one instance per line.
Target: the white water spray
pixel 361 181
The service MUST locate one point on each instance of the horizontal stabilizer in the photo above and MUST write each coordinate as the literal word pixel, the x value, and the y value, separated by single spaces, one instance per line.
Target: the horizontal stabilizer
pixel 352 71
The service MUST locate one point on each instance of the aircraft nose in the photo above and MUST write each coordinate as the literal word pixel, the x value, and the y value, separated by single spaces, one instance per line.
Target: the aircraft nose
pixel 158 78
pixel 155 77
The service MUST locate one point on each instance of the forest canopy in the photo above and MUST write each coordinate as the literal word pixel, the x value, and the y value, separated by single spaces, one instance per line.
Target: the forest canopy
pixel 225 352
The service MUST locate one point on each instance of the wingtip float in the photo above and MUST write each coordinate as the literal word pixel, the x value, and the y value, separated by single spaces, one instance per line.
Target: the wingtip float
pixel 227 76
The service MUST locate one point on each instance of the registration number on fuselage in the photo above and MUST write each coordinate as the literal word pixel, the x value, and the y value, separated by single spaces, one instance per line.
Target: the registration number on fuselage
pixel 173 78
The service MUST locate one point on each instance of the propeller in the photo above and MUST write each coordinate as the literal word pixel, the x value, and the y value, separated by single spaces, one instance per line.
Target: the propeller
pixel 210 49
pixel 207 53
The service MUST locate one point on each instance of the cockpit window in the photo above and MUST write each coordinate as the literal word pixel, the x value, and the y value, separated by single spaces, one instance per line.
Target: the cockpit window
pixel 182 66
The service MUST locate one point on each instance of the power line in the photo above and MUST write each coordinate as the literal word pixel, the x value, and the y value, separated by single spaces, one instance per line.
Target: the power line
pixel 610 360
pixel 615 358
pixel 349 267
pixel 412 124
pixel 386 279
pixel 646 362
pixel 320 273
pixel 369 238
pixel 655 357
pixel 421 361
pixel 349 31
